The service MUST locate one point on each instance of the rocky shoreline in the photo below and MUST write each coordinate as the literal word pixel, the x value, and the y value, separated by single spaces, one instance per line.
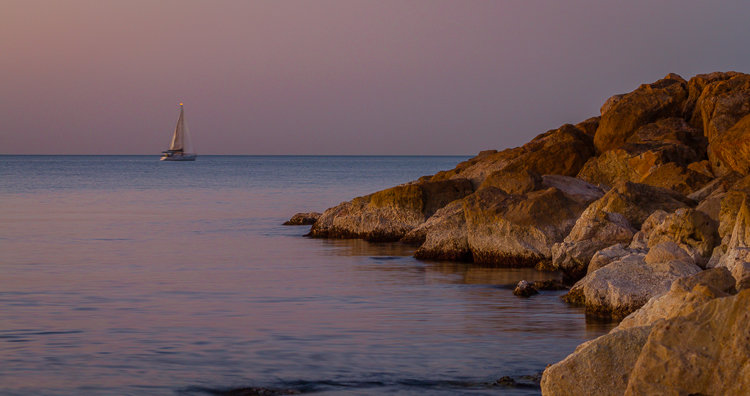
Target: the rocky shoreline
pixel 645 211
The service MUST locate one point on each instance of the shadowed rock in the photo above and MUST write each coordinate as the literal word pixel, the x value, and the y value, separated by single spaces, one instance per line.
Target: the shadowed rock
pixel 525 289
pixel 306 218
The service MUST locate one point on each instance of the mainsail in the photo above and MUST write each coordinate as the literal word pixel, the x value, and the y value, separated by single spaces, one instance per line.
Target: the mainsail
pixel 181 140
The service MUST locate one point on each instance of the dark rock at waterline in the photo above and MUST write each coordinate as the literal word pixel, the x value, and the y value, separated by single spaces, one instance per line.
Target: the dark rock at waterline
pixel 303 218
pixel 525 289
pixel 550 284
pixel 253 391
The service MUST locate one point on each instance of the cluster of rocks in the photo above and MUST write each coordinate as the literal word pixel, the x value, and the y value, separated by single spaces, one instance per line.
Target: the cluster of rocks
pixel 625 204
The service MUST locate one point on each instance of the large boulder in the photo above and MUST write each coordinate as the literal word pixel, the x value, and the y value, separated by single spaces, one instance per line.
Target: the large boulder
pixel 518 230
pixel 593 231
pixel 610 220
pixel 493 226
pixel 389 214
pixel 696 85
pixel 673 176
pixel 637 201
pixel 668 153
pixel 684 296
pixel 662 142
pixel 721 104
pixel 598 367
pixel 623 286
pixel 561 151
pixel 696 330
pixel 691 230
pixel 705 352
pixel 443 236
pixel 730 151
pixel 737 256
pixel 648 103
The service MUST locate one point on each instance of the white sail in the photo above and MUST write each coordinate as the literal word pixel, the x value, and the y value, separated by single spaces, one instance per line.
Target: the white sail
pixel 187 142
pixel 178 138
pixel 181 148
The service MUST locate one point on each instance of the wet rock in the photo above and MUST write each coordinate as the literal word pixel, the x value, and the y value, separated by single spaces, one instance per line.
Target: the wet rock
pixel 704 352
pixel 525 289
pixel 597 367
pixel 625 285
pixel 306 218
pixel 389 214
pixel 648 103
pixel 549 284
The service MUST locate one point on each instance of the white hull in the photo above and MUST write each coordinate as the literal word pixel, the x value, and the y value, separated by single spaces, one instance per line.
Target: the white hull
pixel 178 157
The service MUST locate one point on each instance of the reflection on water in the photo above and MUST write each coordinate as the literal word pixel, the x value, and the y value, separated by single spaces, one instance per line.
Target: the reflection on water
pixel 150 291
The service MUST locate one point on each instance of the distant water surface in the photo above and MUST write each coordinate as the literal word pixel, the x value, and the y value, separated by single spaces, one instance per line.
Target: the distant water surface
pixel 125 275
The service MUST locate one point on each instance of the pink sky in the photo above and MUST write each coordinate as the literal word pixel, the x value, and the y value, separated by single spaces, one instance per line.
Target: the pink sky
pixel 337 77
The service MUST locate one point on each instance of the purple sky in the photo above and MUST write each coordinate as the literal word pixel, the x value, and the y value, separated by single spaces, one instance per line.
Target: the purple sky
pixel 337 77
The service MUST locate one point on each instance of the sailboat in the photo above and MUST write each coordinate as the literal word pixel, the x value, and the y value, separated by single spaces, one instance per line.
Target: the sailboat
pixel 181 148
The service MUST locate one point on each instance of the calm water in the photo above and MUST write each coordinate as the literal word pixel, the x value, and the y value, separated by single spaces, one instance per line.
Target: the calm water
pixel 126 275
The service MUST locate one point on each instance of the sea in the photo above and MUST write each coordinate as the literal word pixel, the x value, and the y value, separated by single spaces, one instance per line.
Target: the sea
pixel 124 275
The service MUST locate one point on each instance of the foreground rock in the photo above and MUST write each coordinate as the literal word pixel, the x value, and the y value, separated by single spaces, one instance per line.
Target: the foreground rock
pixel 389 214
pixel 708 351
pixel 627 284
pixel 696 329
pixel 306 218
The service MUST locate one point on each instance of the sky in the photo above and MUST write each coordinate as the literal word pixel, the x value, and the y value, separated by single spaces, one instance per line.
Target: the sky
pixel 325 77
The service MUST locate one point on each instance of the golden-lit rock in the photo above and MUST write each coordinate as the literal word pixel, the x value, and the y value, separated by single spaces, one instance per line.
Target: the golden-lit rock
pixel 648 103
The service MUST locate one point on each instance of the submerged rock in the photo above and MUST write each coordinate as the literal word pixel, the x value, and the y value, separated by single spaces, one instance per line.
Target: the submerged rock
pixel 305 218
pixel 525 289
